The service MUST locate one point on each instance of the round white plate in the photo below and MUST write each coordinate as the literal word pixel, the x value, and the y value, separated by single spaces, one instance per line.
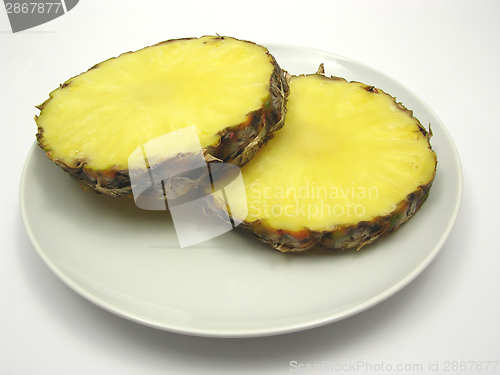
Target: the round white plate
pixel 128 260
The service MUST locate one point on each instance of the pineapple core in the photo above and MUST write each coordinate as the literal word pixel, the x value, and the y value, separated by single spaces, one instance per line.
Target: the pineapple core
pixel 103 115
pixel 347 153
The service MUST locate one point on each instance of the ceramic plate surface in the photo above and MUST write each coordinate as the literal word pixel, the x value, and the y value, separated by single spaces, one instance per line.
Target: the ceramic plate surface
pixel 128 260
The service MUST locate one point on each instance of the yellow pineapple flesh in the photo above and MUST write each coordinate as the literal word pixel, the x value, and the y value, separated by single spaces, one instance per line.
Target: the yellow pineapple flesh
pixel 349 165
pixel 92 123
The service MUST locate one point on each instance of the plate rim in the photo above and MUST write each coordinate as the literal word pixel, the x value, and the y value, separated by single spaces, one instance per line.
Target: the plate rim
pixel 288 328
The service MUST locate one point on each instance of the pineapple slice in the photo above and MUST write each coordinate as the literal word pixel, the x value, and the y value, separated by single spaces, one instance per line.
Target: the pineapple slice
pixel 232 91
pixel 349 165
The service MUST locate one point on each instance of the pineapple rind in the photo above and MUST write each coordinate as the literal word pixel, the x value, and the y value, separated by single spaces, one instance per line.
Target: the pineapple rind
pixel 236 144
pixel 341 237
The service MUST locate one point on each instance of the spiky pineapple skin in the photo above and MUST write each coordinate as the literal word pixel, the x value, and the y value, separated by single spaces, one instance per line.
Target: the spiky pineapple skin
pixel 341 237
pixel 237 144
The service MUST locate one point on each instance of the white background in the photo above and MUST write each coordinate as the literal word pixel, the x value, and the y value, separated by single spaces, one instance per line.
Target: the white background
pixel 447 52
